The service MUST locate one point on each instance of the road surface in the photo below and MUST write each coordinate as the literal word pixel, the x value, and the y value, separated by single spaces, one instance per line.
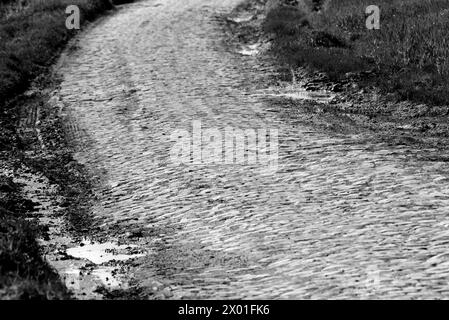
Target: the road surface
pixel 342 217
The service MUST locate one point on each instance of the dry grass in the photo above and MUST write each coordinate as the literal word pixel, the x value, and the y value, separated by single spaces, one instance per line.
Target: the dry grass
pixel 410 52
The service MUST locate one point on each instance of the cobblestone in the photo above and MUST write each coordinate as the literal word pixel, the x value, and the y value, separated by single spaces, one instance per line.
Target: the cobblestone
pixel 339 211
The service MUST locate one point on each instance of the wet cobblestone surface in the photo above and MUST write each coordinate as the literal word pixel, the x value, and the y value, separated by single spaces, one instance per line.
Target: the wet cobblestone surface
pixel 343 217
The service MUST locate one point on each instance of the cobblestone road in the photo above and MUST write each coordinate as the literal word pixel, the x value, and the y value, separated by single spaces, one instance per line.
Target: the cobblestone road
pixel 342 217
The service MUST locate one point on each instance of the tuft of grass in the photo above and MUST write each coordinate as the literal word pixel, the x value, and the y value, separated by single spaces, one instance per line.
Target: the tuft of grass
pixel 31 34
pixel 285 21
pixel 409 54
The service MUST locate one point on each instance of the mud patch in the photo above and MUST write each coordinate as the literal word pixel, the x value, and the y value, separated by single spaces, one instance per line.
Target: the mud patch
pixel 87 268
pixel 91 270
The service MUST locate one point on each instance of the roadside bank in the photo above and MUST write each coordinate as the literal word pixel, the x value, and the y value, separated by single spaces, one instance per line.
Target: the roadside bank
pixel 341 76
pixel 42 186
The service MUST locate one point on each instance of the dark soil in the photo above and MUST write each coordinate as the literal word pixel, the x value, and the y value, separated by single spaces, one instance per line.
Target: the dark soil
pixel 41 146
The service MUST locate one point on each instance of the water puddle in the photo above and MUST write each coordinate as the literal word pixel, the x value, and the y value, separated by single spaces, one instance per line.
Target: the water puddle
pixel 84 267
pixel 250 50
pixel 90 266
pixel 255 48
pixel 99 253
pixel 244 17
pixel 297 92
pixel 320 97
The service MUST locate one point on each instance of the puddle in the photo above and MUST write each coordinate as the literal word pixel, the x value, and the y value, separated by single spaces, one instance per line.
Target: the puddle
pixel 250 50
pixel 297 92
pixel 246 17
pixel 99 253
pixel 85 272
pixel 80 267
pixel 320 97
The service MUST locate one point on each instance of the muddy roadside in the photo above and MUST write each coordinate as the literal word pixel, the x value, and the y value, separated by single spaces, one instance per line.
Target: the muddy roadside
pixel 39 164
pixel 49 246
pixel 345 105
pixel 57 191
pixel 75 258
pixel 37 170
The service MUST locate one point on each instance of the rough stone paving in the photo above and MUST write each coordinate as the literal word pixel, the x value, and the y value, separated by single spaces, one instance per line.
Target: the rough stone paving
pixel 342 218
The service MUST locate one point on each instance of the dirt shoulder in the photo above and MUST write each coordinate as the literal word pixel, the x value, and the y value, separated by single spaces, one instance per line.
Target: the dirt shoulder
pixel 45 192
pixel 41 182
pixel 37 149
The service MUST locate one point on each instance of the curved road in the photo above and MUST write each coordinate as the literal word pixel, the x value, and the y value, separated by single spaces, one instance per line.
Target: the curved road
pixel 342 217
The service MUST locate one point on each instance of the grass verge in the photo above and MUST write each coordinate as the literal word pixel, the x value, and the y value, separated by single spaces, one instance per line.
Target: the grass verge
pixel 32 34
pixel 408 56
